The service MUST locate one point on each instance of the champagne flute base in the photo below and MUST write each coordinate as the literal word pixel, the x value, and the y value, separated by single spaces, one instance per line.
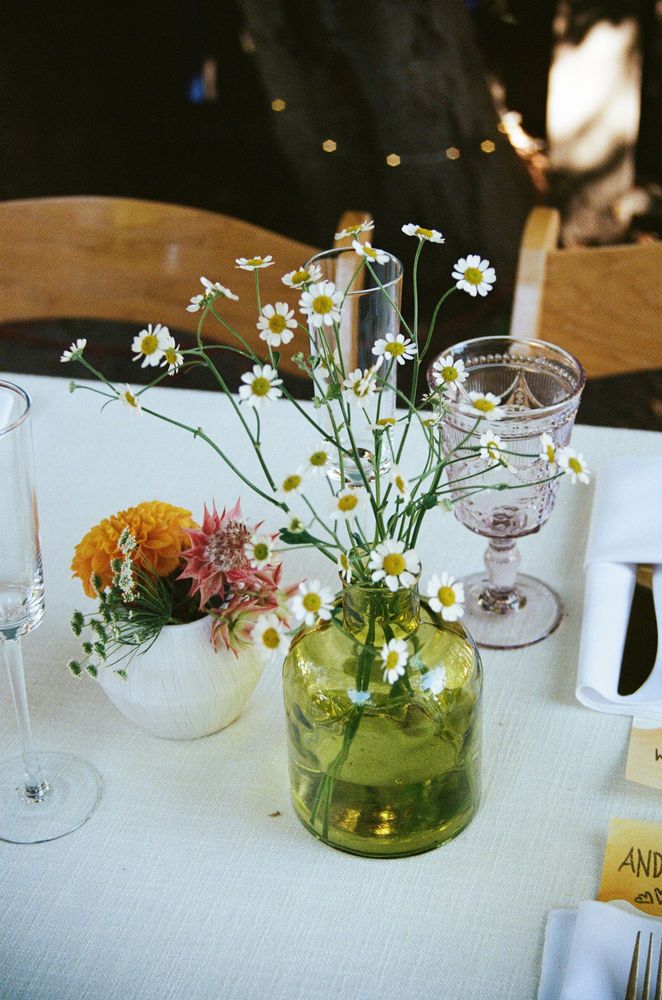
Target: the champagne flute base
pixel 524 616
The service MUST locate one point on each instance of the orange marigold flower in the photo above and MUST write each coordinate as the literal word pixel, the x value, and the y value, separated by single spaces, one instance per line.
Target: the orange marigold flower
pixel 160 533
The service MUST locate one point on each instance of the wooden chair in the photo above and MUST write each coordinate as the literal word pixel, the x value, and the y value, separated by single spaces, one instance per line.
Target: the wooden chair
pixel 138 261
pixel 602 303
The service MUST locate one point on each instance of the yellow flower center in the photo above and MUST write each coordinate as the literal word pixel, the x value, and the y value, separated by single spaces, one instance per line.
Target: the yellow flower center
pixel 400 484
pixel 312 602
pixel 277 323
pixel 473 275
pixel 426 233
pixel 299 277
pixel 449 373
pixel 446 596
pixel 149 344
pixel 394 564
pixel 291 483
pixel 344 562
pixel 271 638
pixel 369 251
pixel 131 399
pixel 575 465
pixel 348 502
pixel 484 405
pixel 254 261
pixel 395 348
pixel 296 525
pixel 260 386
pixel 319 459
pixel 385 421
pixel 493 449
pixel 322 304
pixel 392 660
pixel 261 551
pixel 170 354
pixel 550 451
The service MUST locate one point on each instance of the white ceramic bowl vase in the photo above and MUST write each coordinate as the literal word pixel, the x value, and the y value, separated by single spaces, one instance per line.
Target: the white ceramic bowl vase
pixel 180 688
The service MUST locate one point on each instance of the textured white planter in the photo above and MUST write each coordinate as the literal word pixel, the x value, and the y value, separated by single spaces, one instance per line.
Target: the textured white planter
pixel 180 688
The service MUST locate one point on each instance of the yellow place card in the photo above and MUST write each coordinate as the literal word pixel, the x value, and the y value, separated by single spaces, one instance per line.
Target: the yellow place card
pixel 644 763
pixel 632 868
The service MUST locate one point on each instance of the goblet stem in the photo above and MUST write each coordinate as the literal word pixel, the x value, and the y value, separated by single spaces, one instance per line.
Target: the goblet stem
pixel 502 559
pixel 36 785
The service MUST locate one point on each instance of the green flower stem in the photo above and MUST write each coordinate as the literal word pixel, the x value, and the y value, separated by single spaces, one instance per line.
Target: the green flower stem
pixel 419 248
pixel 391 302
pixel 251 352
pixel 433 321
pixel 97 374
pixel 164 375
pixel 257 290
pixel 321 523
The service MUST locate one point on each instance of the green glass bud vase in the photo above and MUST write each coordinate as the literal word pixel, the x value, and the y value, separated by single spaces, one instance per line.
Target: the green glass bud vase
pixel 379 769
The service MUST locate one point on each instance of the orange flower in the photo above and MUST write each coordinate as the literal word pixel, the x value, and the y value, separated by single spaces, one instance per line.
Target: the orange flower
pixel 160 533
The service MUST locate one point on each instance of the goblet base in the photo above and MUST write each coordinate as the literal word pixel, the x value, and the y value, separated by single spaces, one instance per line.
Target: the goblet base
pixel 72 794
pixel 526 615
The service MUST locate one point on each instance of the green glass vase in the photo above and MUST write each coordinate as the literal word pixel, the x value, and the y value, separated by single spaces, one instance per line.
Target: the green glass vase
pixel 379 769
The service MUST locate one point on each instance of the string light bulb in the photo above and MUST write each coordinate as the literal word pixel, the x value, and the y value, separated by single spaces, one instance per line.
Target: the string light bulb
pixel 453 153
pixel 487 146
pixel 329 145
pixel 393 160
pixel 278 105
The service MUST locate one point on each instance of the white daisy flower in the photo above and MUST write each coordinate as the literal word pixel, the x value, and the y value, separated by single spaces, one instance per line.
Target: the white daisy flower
pixel 431 235
pixel 296 525
pixel 276 324
pixel 484 405
pixel 328 364
pixel 360 386
pixel 394 659
pixel 270 638
pixel 259 551
pixel 362 227
pixel 384 424
pixel 304 276
pixel 129 400
pixel 348 503
pixel 548 450
pixel 313 602
pixel 393 566
pixel 474 275
pixel 344 567
pixel 75 351
pixel 212 289
pixel 451 372
pixel 290 487
pixel 321 304
pixel 446 596
pixel 573 464
pixel 371 253
pixel 400 483
pixel 150 345
pixel 260 385
pixel 318 460
pixel 173 358
pixel 394 348
pixel 254 263
pixel 358 697
pixel 434 681
pixel 491 449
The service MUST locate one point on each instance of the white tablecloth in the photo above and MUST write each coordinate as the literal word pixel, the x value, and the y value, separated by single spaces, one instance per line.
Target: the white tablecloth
pixel 182 885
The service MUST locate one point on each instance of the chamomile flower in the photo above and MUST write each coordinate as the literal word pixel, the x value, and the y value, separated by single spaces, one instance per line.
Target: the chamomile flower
pixel 394 348
pixel 483 405
pixel 303 276
pixel 296 525
pixel 384 424
pixel 150 345
pixel 372 254
pixel 400 484
pixel 359 386
pixel 474 275
pixel 344 567
pixel 276 324
pixel 319 460
pixel 173 358
pixel 260 385
pixel 393 566
pixel 451 372
pixel 362 227
pixel 446 596
pixel 290 487
pixel 491 449
pixel 548 450
pixel 321 304
pixel 259 551
pixel 394 659
pixel 75 351
pixel 129 400
pixel 573 464
pixel 254 263
pixel 212 290
pixel 270 638
pixel 434 680
pixel 431 235
pixel 358 697
pixel 313 602
pixel 346 504
pixel 329 363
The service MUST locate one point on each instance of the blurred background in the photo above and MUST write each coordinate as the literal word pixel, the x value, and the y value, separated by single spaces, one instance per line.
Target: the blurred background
pixel 454 114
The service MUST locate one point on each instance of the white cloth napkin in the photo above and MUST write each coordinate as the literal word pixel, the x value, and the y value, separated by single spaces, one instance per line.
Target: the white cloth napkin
pixel 588 951
pixel 626 529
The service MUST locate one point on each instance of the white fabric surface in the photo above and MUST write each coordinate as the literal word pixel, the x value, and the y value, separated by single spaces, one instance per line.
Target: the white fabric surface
pixel 588 951
pixel 182 885
pixel 626 529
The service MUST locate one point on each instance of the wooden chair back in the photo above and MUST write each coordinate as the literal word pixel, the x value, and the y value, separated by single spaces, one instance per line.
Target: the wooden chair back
pixel 604 304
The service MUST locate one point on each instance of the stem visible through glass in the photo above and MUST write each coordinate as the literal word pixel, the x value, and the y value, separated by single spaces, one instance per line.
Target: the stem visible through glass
pixel 502 559
pixel 36 786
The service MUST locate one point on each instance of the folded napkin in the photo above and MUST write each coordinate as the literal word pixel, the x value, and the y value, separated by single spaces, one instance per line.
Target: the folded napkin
pixel 588 951
pixel 626 529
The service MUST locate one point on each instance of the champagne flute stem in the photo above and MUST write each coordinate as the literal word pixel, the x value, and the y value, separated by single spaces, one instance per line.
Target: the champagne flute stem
pixel 36 785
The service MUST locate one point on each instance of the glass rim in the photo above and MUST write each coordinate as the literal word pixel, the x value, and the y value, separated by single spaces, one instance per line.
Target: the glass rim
pixel 22 394
pixel 542 411
pixel 336 251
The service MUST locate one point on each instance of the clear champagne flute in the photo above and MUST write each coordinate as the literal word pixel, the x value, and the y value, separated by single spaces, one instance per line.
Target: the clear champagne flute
pixel 537 388
pixel 42 796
